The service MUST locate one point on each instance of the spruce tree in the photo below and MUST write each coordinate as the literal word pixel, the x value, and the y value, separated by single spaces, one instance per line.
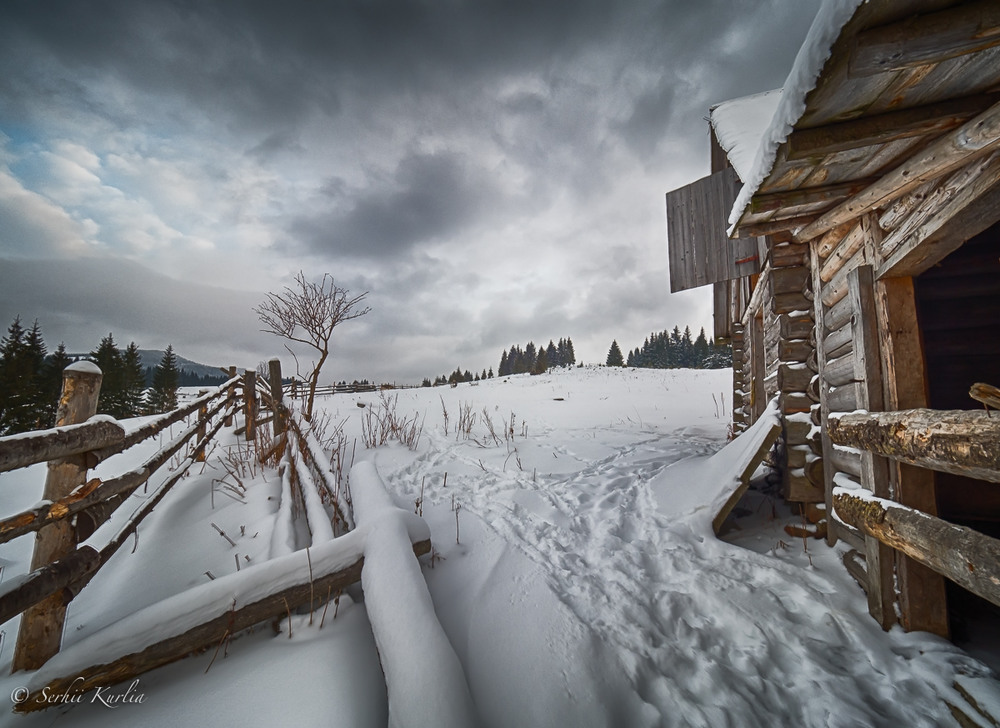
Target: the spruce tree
pixel 109 359
pixel 52 375
pixel 133 382
pixel 552 355
pixel 541 362
pixel 615 358
pixel 15 380
pixel 163 396
pixel 701 350
pixel 570 354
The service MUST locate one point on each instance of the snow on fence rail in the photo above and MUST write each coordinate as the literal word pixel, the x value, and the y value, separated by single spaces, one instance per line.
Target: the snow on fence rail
pixel 406 629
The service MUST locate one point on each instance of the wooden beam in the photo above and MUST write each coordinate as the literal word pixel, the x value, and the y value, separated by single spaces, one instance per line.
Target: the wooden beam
pixel 19 451
pixel 202 636
pixel 945 220
pixel 802 196
pixel 962 442
pixel 955 149
pixel 47 581
pixel 967 557
pixel 774 226
pixel 933 119
pixel 926 39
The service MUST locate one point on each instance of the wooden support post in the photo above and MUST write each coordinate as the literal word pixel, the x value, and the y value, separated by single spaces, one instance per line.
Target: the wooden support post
pixel 232 392
pixel 874 470
pixel 274 373
pixel 199 453
pixel 921 591
pixel 250 403
pixel 41 626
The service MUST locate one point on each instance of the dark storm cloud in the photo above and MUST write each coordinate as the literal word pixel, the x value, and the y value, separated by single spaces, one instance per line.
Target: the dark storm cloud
pixel 428 197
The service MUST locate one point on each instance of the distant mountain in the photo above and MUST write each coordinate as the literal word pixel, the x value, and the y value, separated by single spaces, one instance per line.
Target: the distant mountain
pixel 151 357
pixel 191 372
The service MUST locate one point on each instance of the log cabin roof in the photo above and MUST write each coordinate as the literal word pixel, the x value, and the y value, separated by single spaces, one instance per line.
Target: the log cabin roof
pixel 909 90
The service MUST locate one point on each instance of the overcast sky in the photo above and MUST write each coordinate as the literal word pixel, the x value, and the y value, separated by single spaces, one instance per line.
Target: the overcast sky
pixel 492 172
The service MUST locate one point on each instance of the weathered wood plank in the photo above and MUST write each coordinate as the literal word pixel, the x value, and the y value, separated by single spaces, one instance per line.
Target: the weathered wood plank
pixel 837 316
pixel 840 343
pixel 793 377
pixel 48 580
pixel 202 636
pixel 926 39
pixel 796 350
pixel 927 236
pixel 845 250
pixel 796 327
pixel 955 149
pixel 700 250
pixel 964 442
pixel 890 126
pixel 967 557
pixel 805 196
pixel 874 474
pixel 19 451
pixel 844 398
pixel 985 393
pixel 839 372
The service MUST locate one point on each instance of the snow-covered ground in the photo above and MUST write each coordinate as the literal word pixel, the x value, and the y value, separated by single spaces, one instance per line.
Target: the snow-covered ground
pixel 574 572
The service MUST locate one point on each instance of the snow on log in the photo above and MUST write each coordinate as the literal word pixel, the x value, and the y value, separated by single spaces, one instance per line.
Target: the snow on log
pixel 19 451
pixel 967 557
pixel 710 487
pixel 28 590
pixel 318 519
pixel 963 442
pixel 206 615
pixel 425 680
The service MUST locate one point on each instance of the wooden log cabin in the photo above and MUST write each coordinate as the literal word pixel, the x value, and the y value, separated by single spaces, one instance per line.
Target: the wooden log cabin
pixel 853 245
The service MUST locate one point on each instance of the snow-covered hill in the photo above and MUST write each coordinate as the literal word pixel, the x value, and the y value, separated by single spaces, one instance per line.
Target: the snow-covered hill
pixel 574 579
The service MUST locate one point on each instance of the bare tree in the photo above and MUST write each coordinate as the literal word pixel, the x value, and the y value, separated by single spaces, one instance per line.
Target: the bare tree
pixel 308 313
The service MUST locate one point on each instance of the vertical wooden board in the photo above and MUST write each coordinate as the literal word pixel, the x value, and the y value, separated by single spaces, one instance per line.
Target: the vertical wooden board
pixel 922 593
pixel 722 318
pixel 874 469
pixel 699 250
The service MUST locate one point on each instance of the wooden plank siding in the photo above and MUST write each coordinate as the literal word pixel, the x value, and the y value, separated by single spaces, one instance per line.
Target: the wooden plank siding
pixel 700 251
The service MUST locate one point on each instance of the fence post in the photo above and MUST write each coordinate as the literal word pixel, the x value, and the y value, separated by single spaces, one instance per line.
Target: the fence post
pixel 199 455
pixel 250 403
pixel 232 393
pixel 41 628
pixel 274 370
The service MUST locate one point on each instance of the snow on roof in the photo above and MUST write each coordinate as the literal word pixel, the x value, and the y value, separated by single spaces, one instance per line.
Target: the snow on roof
pixel 831 18
pixel 739 126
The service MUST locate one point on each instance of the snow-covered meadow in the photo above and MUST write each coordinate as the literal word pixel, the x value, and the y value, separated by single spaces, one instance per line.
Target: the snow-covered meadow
pixel 575 574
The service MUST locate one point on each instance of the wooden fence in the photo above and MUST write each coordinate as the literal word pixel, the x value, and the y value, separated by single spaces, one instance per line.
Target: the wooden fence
pixel 312 486
pixel 59 568
pixel 961 442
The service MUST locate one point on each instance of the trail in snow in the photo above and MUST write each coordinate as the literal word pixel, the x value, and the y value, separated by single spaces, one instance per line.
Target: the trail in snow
pixel 707 633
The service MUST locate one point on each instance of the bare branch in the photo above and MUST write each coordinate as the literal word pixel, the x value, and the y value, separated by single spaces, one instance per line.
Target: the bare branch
pixel 307 314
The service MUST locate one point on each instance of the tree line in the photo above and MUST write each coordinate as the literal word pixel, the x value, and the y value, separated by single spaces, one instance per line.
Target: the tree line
pixel 31 380
pixel 537 360
pixel 673 350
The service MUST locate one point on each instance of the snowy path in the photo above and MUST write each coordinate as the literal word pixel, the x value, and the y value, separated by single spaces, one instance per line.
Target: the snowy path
pixel 705 633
